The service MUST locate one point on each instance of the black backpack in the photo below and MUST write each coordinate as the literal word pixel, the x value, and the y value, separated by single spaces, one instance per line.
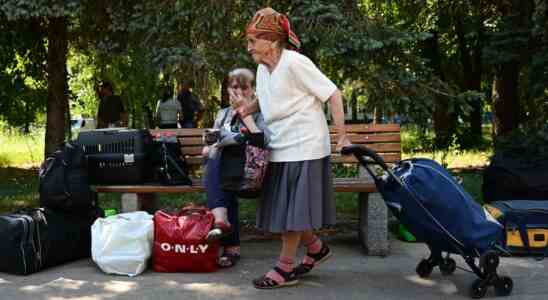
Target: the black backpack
pixel 169 164
pixel 519 168
pixel 64 183
pixel 509 178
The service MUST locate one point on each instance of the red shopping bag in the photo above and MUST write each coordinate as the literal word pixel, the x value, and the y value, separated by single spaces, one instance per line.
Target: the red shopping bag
pixel 180 241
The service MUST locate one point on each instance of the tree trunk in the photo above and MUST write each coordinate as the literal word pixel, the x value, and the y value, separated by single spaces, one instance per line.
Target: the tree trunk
pixel 57 84
pixel 470 56
pixel 506 105
pixel 506 102
pixel 444 121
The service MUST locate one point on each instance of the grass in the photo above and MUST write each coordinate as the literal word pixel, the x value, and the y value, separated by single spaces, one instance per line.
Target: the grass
pixel 455 160
pixel 18 188
pixel 20 156
pixel 19 150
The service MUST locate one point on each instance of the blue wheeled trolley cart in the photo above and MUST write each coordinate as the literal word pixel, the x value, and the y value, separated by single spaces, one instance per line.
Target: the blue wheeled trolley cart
pixel 428 201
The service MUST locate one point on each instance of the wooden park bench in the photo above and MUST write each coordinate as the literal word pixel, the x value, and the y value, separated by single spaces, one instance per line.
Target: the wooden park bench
pixel 373 214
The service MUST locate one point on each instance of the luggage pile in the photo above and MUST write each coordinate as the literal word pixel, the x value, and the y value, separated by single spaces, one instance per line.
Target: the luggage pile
pixel 61 229
pixel 38 238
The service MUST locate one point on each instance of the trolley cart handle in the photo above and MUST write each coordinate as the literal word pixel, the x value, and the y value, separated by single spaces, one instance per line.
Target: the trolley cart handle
pixel 362 152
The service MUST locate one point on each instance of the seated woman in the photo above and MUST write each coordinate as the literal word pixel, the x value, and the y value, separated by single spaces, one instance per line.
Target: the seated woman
pixel 224 204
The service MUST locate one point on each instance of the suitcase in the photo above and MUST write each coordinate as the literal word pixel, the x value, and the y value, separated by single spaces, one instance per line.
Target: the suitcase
pixel 117 155
pixel 440 213
pixel 36 239
pixel 525 225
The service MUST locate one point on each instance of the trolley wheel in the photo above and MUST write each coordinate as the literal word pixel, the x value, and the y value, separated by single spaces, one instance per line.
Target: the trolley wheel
pixel 424 268
pixel 489 261
pixel 448 266
pixel 504 286
pixel 478 289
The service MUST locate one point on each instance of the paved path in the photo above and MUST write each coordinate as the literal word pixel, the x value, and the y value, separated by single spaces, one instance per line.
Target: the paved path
pixel 348 275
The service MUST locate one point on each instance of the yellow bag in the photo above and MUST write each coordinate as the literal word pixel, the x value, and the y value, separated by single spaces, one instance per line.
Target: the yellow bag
pixel 526 225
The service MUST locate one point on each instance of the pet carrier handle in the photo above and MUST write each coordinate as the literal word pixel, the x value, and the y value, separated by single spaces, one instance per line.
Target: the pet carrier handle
pixel 361 152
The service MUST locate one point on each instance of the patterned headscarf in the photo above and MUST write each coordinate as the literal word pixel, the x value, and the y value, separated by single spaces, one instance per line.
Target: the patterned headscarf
pixel 268 20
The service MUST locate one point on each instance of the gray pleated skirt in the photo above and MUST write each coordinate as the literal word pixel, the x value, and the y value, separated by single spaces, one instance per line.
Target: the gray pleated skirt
pixel 297 196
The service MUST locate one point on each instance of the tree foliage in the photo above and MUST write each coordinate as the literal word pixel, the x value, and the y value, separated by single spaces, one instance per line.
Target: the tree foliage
pixel 439 63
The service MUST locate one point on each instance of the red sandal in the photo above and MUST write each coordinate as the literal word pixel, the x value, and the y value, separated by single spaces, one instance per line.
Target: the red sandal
pixel 218 231
pixel 266 283
pixel 228 260
pixel 318 258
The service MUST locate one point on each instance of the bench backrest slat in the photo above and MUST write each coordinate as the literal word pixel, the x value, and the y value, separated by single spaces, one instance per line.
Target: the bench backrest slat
pixel 385 139
pixel 371 128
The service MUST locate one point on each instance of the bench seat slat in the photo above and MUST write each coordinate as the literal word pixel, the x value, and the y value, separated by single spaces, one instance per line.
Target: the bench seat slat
pixel 340 185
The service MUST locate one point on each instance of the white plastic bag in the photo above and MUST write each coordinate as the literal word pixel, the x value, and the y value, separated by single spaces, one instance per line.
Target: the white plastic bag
pixel 122 244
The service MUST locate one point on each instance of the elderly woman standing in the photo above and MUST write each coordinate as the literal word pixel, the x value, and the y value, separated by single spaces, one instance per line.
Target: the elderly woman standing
pixel 297 195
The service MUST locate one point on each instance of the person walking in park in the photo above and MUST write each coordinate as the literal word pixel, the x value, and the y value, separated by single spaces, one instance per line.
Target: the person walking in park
pixel 224 204
pixel 191 105
pixel 168 110
pixel 297 193
pixel 111 111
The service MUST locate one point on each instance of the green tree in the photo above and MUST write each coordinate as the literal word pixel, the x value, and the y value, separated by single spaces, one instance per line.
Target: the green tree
pixel 22 76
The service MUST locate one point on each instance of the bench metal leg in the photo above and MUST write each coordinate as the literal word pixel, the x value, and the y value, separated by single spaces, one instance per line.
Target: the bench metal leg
pixel 373 228
pixel 134 202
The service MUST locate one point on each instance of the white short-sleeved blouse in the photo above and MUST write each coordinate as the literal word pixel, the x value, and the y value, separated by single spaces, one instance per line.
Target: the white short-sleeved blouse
pixel 291 100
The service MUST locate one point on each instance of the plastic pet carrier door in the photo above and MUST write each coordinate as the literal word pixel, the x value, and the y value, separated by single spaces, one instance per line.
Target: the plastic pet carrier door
pixel 116 156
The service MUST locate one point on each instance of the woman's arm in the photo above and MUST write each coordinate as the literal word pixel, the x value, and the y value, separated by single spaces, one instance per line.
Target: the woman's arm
pixel 337 114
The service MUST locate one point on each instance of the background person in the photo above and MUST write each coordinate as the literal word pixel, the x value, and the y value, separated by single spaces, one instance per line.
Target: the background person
pixel 168 110
pixel 190 104
pixel 111 111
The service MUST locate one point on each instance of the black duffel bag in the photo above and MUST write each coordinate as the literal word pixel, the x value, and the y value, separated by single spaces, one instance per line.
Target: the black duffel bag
pixel 519 168
pixel 35 239
pixel 511 179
